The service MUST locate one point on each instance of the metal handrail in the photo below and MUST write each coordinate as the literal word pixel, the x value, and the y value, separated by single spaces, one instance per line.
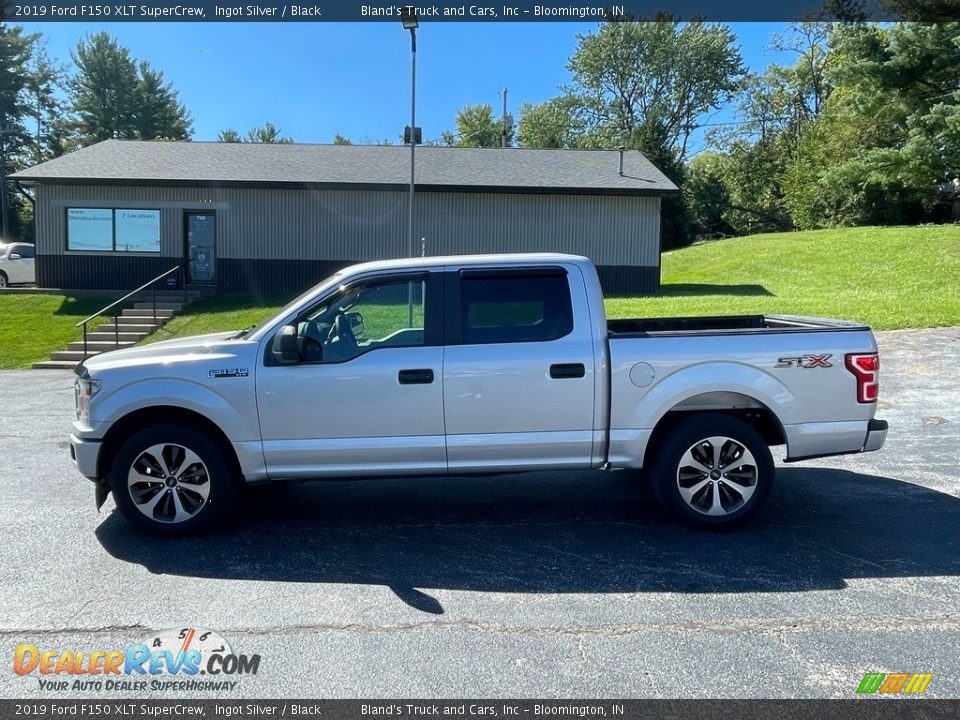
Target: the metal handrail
pixel 152 284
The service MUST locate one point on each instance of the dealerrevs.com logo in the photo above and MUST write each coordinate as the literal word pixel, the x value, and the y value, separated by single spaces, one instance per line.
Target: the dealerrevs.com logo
pixel 181 659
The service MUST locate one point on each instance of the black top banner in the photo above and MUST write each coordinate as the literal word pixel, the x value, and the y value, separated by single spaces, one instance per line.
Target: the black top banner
pixel 477 10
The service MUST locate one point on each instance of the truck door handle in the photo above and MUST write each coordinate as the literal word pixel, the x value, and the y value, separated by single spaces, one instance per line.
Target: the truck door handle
pixel 420 376
pixel 567 370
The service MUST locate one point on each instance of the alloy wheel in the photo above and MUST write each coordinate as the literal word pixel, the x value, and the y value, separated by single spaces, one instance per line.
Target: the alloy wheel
pixel 717 476
pixel 169 483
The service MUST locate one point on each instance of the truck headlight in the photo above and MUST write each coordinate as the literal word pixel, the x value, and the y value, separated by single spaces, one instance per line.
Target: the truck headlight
pixel 84 389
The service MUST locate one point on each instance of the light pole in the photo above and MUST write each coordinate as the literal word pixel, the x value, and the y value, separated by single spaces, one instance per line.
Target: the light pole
pixel 408 17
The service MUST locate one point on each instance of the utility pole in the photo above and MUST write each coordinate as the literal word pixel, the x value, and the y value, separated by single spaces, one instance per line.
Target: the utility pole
pixel 503 131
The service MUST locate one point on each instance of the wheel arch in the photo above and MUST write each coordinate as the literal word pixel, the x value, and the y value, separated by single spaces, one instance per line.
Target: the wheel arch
pixel 126 426
pixel 733 404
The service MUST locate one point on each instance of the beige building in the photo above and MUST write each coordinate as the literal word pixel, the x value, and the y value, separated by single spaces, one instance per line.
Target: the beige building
pixel 278 218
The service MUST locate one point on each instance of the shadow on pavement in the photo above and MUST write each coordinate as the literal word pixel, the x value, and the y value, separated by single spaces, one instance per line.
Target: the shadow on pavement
pixel 563 533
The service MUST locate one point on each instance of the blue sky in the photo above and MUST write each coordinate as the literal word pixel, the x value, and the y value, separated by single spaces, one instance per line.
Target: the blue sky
pixel 317 79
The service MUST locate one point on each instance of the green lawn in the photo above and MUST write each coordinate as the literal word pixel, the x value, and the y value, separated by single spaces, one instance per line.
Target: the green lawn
pixel 889 278
pixel 209 315
pixel 885 277
pixel 33 326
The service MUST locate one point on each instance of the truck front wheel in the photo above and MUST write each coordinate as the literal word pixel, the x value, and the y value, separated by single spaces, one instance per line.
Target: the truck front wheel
pixel 172 479
pixel 713 470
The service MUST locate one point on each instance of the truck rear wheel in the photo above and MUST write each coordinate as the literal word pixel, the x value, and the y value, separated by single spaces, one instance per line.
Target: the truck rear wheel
pixel 713 471
pixel 172 479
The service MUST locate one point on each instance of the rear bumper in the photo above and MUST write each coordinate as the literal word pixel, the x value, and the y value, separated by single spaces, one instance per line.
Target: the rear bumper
pixel 85 455
pixel 876 435
pixel 817 440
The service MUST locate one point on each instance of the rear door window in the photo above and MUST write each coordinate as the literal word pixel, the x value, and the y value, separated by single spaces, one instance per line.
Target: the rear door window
pixel 514 307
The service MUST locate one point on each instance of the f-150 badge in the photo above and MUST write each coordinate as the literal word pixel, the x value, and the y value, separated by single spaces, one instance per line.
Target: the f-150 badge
pixel 229 372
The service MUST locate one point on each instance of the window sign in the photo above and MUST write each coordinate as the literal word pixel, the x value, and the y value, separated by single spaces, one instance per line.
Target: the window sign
pixel 121 230
pixel 137 230
pixel 89 229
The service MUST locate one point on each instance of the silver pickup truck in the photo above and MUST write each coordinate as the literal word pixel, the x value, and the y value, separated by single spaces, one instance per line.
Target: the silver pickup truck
pixel 471 365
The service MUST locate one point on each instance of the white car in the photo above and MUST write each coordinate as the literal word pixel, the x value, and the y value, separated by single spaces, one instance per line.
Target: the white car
pixel 16 264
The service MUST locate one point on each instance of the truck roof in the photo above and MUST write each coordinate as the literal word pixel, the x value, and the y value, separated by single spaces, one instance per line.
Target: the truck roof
pixel 487 259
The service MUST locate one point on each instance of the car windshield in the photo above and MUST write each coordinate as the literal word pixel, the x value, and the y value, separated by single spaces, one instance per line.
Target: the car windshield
pixel 290 306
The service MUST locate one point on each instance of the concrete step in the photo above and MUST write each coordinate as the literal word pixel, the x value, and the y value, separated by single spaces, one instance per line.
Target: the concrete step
pixel 148 305
pixel 74 355
pixel 142 313
pixel 121 335
pixel 133 326
pixel 55 365
pixel 102 345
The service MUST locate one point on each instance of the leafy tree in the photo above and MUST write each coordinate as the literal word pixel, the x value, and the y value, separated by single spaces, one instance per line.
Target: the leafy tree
pixel 551 124
pixel 706 195
pixel 268 133
pixel 644 85
pixel 477 127
pixel 113 96
pixel 656 78
pixel 15 52
pixel 103 90
pixel 45 109
pixel 773 108
pixel 339 139
pixel 889 135
pixel 160 115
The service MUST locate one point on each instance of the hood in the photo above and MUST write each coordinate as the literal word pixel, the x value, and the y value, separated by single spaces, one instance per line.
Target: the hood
pixel 197 347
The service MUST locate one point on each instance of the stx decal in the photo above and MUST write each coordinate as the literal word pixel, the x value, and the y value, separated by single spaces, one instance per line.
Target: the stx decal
pixel 806 361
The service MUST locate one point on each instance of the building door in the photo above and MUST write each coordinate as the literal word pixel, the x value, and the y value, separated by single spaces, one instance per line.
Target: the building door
pixel 200 247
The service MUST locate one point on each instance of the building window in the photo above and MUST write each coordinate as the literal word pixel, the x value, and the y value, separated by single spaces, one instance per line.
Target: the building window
pixel 89 229
pixel 121 230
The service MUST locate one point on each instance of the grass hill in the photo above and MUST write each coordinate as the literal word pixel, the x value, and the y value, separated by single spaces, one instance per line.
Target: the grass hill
pixel 890 277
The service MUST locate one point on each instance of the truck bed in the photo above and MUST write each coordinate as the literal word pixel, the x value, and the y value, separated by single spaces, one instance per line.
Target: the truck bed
pixel 725 324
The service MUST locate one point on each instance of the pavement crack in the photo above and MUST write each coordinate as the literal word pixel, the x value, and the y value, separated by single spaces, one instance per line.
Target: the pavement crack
pixel 776 627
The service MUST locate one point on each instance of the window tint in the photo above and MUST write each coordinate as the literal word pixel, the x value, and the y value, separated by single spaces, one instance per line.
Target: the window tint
pixel 25 251
pixel 365 318
pixel 514 308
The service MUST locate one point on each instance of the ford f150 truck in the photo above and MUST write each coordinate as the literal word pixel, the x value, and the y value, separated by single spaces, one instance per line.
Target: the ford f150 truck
pixel 471 365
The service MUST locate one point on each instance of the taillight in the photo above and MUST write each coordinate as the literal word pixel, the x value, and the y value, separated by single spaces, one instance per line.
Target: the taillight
pixel 866 368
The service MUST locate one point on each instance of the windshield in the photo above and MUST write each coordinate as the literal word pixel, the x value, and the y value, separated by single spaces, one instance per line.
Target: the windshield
pixel 254 331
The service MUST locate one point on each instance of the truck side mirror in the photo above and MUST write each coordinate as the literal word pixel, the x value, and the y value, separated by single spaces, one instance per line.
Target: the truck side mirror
pixel 14 256
pixel 285 348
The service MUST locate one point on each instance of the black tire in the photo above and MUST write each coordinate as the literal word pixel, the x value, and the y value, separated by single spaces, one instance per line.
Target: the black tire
pixel 732 499
pixel 155 512
pixel 4 281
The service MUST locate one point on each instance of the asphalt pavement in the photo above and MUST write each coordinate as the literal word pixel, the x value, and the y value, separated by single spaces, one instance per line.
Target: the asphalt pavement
pixel 542 585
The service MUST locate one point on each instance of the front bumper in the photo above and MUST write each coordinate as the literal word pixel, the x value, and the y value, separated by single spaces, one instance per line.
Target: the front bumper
pixel 85 455
pixel 876 435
